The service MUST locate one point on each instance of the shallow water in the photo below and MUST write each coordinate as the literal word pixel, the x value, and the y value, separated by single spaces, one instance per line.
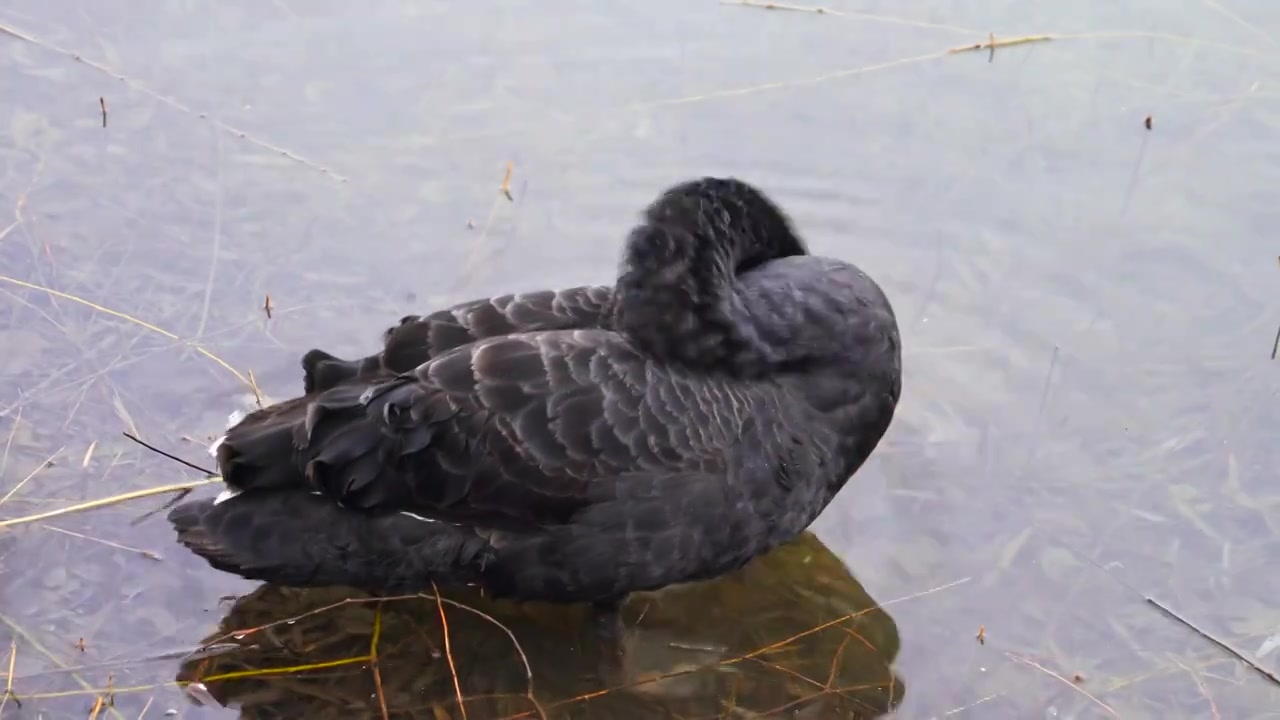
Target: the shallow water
pixel 1088 310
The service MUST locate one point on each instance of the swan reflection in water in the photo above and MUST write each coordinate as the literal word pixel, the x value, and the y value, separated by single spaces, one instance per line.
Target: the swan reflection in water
pixel 681 645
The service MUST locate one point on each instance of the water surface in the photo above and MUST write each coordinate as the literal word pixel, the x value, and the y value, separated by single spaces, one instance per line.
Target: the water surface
pixel 1088 310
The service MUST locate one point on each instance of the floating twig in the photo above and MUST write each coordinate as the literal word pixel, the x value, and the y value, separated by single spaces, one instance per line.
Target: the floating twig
pixel 144 553
pixel 1275 346
pixel 127 317
pixel 47 462
pixel 35 644
pixel 1239 655
pixel 113 500
pixel 4 459
pixel 448 654
pixel 528 669
pixel 1204 689
pixel 1133 177
pixel 1048 379
pixel 257 394
pixel 175 458
pixel 475 256
pixel 88 454
pixel 266 306
pixel 171 102
pixel 744 657
pixel 102 102
pixel 992 43
pixel 975 703
pixel 8 680
pixel 782 6
pixel 506 181
pixel 373 662
pixel 1068 683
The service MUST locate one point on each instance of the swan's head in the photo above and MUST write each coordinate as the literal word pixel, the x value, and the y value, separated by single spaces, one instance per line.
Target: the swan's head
pixel 730 212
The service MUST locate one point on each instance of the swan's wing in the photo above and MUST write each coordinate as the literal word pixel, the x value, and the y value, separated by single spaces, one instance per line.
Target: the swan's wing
pixel 418 338
pixel 526 429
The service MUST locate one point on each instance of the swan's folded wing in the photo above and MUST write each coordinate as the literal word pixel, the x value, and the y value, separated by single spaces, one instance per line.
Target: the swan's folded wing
pixel 419 338
pixel 523 428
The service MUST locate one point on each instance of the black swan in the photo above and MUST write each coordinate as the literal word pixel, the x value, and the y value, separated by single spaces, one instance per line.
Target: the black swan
pixel 575 446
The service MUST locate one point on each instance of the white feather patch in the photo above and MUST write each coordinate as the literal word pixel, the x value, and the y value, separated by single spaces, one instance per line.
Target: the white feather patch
pixel 224 496
pixel 406 513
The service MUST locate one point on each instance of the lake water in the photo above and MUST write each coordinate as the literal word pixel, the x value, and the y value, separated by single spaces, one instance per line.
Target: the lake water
pixel 1088 309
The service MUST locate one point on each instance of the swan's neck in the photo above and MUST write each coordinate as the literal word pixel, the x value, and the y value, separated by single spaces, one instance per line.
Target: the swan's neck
pixel 678 296
pixel 676 300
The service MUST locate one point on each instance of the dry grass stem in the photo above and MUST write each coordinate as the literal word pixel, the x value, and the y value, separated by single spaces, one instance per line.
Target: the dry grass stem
pixel 87 689
pixel 505 188
pixel 107 501
pixel 373 662
pixel 46 463
pixel 448 652
pixel 1028 661
pixel 1237 654
pixel 753 654
pixel 992 43
pixel 372 658
pixel 781 84
pixel 4 460
pixel 782 6
pixel 8 679
pixel 852 15
pixel 974 704
pixel 171 102
pixel 1204 689
pixel 257 394
pixel 88 454
pixel 129 318
pixel 477 252
pixel 144 553
pixel 524 659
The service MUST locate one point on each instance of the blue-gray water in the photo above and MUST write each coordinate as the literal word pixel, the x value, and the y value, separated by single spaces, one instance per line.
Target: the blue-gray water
pixel 1088 310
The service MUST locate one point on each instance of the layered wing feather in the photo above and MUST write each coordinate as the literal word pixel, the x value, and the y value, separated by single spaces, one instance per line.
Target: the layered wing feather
pixel 513 431
pixel 418 338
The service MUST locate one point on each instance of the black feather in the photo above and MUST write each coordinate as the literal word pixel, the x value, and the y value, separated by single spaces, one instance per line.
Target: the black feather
pixel 582 444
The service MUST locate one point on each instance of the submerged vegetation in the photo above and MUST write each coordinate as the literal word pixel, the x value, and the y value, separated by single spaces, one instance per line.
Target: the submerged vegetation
pixel 1074 516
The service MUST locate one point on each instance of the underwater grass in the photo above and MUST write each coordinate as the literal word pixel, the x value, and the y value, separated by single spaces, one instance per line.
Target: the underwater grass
pixel 1188 671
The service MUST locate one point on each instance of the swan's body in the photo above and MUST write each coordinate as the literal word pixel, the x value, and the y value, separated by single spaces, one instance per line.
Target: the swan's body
pixel 575 445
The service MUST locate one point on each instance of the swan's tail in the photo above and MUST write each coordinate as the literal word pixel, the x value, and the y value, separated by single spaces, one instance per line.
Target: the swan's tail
pixel 299 539
pixel 270 523
pixel 258 450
